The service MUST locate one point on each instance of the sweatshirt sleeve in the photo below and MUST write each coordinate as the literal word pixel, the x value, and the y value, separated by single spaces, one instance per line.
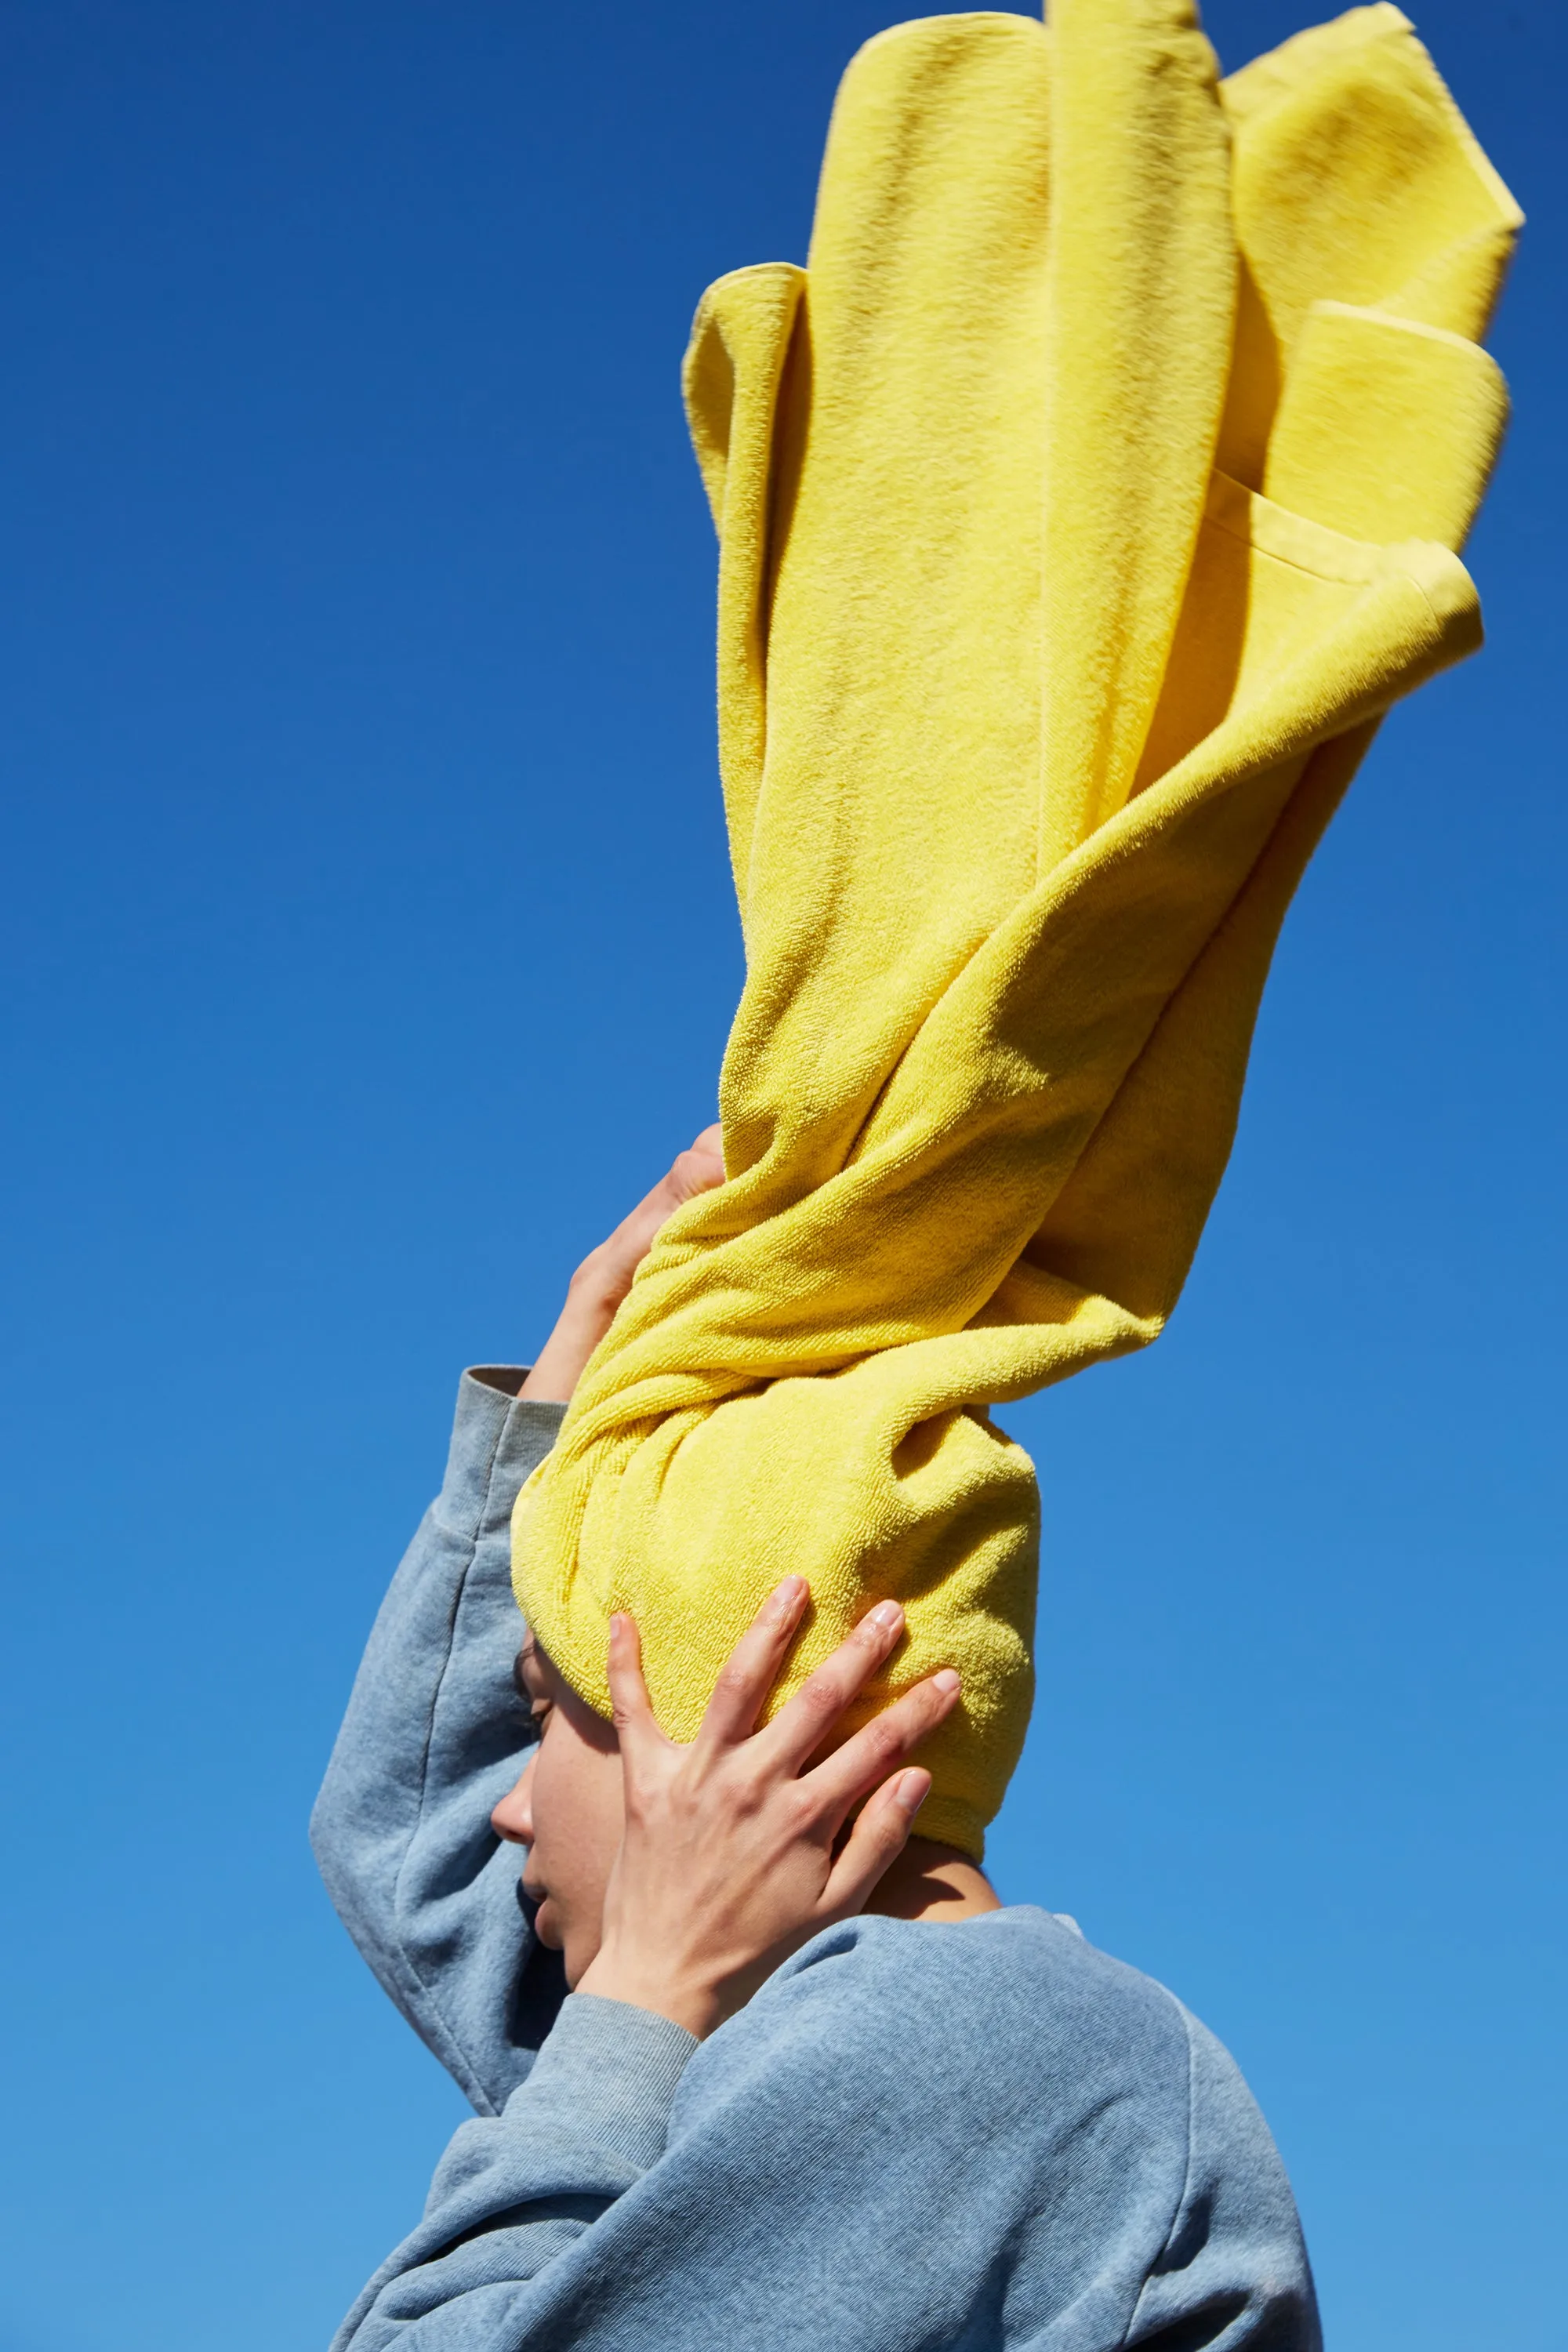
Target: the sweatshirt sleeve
pixel 433 1736
pixel 1233 2270
pixel 512 2194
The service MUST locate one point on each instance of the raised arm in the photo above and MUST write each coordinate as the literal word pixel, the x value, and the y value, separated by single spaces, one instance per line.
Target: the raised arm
pixel 433 1736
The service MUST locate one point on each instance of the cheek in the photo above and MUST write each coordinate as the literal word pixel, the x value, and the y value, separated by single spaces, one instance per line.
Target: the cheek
pixel 577 1817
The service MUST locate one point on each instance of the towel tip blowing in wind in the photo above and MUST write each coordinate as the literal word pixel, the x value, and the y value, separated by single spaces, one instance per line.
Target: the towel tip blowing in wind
pixel 1082 507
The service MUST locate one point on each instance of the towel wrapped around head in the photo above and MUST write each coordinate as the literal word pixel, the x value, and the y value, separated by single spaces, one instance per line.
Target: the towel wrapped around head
pixel 1082 507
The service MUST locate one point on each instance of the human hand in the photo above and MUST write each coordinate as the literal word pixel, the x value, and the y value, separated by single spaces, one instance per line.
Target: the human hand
pixel 605 1276
pixel 730 1856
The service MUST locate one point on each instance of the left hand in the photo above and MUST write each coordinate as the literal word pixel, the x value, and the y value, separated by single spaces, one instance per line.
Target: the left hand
pixel 605 1276
pixel 730 1858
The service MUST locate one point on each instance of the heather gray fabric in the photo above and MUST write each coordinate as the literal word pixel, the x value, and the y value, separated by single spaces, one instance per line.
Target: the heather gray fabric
pixel 434 1736
pixel 985 2137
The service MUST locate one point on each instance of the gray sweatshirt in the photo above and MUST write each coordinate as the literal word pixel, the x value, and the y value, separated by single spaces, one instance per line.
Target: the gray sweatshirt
pixel 986 2134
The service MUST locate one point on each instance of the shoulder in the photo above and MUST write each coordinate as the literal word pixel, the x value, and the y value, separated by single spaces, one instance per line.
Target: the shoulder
pixel 1014 2012
pixel 997 1981
pixel 1019 2126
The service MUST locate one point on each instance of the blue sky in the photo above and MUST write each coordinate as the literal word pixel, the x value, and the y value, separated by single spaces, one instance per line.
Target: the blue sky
pixel 370 946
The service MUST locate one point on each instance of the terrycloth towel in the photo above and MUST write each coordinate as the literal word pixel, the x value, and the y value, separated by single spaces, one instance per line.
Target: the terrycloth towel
pixel 1081 507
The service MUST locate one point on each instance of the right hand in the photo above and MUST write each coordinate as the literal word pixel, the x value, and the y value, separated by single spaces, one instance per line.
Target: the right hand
pixel 730 1857
pixel 605 1276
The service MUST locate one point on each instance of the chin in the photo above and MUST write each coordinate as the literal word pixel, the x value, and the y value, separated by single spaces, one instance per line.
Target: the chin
pixel 546 1926
pixel 579 1958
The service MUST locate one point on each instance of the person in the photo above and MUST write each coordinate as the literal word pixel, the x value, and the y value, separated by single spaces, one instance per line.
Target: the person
pixel 752 2067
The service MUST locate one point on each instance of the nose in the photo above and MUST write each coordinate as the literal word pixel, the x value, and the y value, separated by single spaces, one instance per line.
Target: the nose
pixel 512 1818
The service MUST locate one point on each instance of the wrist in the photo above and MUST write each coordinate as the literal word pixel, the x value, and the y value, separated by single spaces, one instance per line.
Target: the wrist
pixel 581 1325
pixel 696 2007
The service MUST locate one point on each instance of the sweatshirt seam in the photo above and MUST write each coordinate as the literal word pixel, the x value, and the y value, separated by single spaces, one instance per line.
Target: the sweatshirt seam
pixel 426 1990
pixel 1181 2204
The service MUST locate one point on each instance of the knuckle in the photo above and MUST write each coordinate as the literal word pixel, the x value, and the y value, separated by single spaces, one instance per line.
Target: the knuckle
pixel 884 1741
pixel 806 1810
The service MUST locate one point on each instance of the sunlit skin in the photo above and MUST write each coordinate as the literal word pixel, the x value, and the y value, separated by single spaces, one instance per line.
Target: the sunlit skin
pixel 678 1876
pixel 568 1809
pixel 605 1276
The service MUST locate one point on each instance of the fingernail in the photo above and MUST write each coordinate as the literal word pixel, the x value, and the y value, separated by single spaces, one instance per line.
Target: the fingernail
pixel 913 1791
pixel 791 1589
pixel 617 1623
pixel 945 1680
pixel 887 1613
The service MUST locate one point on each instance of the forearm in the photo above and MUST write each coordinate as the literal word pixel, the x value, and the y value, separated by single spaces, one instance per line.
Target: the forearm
pixel 605 1274
pixel 432 1737
pixel 515 2195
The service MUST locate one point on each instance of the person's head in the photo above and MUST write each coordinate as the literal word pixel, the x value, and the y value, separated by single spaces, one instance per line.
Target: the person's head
pixel 567 1809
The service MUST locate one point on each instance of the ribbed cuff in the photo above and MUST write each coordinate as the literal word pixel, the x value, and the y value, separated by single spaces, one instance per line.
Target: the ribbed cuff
pixel 613 2070
pixel 498 1441
pixel 522 1436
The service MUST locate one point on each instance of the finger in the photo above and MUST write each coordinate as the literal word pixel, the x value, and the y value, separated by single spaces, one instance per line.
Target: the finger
pixel 845 1776
pixel 631 1709
pixel 698 1167
pixel 697 1170
pixel 879 1837
pixel 800 1728
pixel 753 1666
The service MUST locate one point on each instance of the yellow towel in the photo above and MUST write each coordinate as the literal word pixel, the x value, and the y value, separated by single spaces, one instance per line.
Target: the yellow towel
pixel 1081 507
